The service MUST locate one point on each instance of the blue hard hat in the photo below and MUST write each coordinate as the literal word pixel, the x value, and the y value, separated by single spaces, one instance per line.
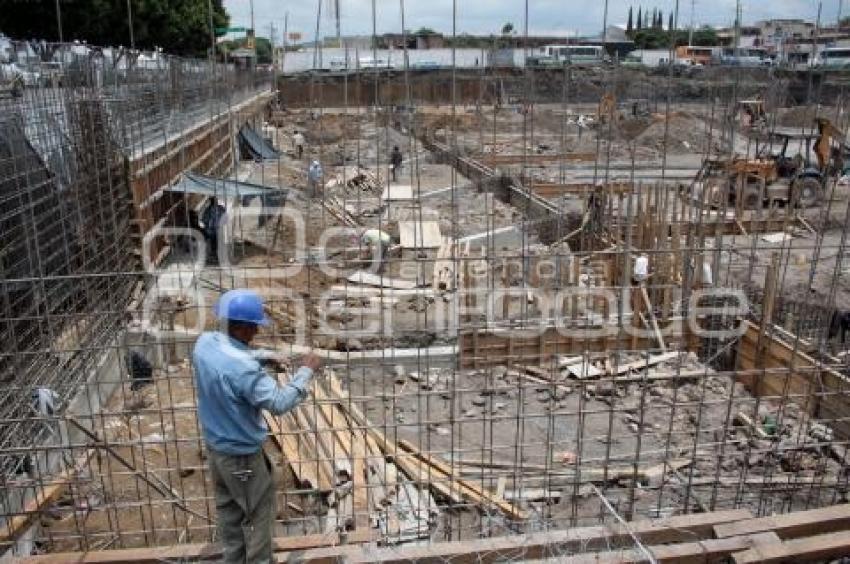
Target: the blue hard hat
pixel 241 305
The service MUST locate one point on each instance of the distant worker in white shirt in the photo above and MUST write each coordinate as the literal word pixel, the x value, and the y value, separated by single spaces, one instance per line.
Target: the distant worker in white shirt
pixel 298 142
pixel 314 178
pixel 377 243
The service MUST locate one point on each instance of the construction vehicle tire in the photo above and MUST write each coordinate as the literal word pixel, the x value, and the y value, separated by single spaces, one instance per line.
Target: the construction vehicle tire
pixel 806 192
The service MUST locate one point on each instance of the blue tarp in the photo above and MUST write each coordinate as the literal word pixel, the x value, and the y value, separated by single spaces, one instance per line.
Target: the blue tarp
pixel 253 144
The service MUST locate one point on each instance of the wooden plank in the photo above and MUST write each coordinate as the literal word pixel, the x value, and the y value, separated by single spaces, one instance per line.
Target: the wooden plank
pixel 808 549
pixel 652 318
pixel 369 279
pixel 556 190
pixel 305 473
pixel 353 441
pixel 583 370
pixel 200 551
pixel 469 490
pixel 420 234
pixel 45 494
pixel 684 528
pixel 714 551
pixel 505 159
pixel 793 525
pixel 644 363
pixel 365 291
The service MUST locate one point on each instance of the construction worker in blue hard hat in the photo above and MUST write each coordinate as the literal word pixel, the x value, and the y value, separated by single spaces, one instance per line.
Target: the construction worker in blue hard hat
pixel 233 389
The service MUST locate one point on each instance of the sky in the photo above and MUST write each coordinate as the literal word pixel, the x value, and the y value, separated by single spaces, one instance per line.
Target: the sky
pixel 555 17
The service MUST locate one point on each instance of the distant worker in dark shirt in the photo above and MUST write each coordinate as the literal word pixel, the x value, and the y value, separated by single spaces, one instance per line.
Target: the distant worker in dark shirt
pixel 395 162
pixel 211 218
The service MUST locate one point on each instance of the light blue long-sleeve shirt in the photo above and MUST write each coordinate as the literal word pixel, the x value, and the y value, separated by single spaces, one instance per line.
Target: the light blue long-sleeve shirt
pixel 233 389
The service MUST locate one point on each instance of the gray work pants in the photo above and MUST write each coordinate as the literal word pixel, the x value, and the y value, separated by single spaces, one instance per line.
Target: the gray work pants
pixel 244 501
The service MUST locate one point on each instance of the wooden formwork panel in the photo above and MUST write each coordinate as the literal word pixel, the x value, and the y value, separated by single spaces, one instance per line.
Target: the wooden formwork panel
pixel 822 391
pixel 478 349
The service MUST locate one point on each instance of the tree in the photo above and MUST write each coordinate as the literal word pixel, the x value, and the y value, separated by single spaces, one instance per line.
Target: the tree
pixel 705 36
pixel 670 22
pixel 425 31
pixel 180 27
pixel 630 23
pixel 646 19
pixel 654 23
pixel 640 19
pixel 651 39
pixel 508 28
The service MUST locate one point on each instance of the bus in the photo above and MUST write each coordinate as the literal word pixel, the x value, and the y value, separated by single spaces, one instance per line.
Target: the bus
pixel 745 57
pixel 576 54
pixel 696 55
pixel 834 58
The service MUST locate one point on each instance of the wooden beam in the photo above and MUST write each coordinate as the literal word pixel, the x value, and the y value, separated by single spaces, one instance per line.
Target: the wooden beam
pixel 684 528
pixel 808 549
pixel 44 495
pixel 644 363
pixel 706 551
pixel 556 190
pixel 200 551
pixel 468 489
pixel 652 318
pixel 792 525
pixel 507 159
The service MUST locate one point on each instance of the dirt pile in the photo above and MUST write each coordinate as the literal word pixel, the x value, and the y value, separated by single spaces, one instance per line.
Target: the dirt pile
pixel 804 116
pixel 684 133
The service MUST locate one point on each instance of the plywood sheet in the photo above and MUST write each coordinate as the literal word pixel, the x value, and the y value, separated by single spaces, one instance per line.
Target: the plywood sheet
pixel 419 234
pixel 369 279
pixel 400 192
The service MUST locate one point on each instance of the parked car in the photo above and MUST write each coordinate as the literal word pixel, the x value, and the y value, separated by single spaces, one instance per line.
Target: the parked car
pixel 10 71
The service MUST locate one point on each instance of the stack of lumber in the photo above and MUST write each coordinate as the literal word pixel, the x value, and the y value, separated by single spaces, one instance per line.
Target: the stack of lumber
pixel 353 181
pixel 368 480
pixel 538 482
pixel 331 452
pixel 428 471
pixel 337 209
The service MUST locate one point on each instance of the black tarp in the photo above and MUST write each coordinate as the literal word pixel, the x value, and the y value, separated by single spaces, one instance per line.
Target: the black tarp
pixel 194 183
pixel 254 146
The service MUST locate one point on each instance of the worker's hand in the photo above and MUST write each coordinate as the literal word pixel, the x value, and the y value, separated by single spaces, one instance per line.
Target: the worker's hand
pixel 276 360
pixel 311 361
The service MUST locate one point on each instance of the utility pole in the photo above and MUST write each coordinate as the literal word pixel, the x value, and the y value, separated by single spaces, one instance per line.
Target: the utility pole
pixel 605 25
pixel 130 25
pixel 338 28
pixel 738 12
pixel 840 11
pixel 691 32
pixel 59 21
pixel 271 40
pixel 285 39
pixel 817 34
pixel 254 32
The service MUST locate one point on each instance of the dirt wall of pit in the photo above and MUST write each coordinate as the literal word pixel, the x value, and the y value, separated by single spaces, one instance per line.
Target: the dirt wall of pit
pixel 570 85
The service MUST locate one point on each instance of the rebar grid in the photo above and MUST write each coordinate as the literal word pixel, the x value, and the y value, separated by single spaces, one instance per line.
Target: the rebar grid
pixel 471 370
